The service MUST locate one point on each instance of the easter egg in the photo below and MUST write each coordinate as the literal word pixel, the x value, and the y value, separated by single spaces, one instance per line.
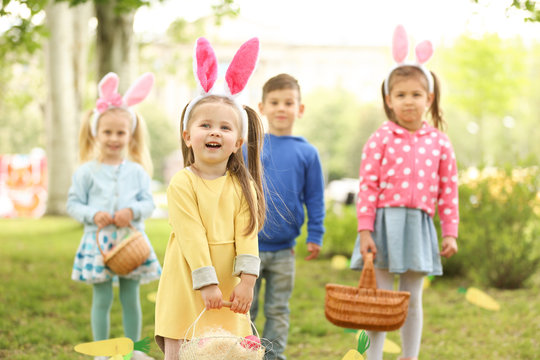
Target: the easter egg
pixel 479 298
pixel 391 347
pixel 251 342
pixel 203 342
pixel 339 262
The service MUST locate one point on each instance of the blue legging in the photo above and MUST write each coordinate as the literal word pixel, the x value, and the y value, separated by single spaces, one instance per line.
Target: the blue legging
pixel 131 309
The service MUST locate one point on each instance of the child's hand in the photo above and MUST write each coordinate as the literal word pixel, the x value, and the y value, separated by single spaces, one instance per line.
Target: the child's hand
pixel 103 219
pixel 242 295
pixel 212 297
pixel 449 246
pixel 123 217
pixel 367 244
pixel 314 250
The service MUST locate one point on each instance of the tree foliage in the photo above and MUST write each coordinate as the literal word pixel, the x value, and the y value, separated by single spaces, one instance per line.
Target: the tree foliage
pixel 24 36
pixel 487 74
pixel 486 79
pixel 528 6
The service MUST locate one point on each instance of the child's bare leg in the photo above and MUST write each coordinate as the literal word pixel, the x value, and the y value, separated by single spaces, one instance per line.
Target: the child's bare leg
pixel 172 347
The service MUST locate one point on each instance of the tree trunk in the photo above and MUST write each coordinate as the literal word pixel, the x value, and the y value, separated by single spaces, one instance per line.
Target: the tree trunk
pixel 61 114
pixel 81 16
pixel 115 42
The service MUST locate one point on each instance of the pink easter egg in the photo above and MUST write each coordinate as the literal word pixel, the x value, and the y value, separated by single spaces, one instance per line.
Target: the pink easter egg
pixel 202 342
pixel 251 342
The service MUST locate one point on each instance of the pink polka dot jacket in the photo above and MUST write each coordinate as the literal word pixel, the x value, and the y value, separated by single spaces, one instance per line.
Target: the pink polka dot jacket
pixel 414 170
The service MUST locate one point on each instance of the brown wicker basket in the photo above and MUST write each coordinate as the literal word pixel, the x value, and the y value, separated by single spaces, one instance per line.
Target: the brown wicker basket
pixel 128 255
pixel 366 307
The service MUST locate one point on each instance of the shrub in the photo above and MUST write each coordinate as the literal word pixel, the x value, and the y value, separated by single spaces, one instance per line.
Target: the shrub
pixel 340 231
pixel 499 225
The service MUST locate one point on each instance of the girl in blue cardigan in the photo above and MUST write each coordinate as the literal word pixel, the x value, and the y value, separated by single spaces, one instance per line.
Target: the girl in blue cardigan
pixel 110 192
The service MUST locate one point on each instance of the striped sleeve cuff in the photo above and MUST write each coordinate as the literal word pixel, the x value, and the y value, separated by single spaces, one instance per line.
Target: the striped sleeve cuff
pixel 247 264
pixel 204 276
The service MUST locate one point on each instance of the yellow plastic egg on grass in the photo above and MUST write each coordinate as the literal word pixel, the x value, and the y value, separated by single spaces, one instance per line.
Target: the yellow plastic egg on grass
pixel 339 262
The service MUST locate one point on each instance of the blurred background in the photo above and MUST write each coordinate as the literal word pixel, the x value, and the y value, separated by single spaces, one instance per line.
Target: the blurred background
pixel 487 57
pixel 53 53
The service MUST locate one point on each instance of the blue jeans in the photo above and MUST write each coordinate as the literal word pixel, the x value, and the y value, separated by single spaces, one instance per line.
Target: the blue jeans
pixel 277 268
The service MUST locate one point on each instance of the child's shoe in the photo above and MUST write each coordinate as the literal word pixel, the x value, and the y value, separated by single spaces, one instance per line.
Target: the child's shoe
pixel 101 357
pixel 139 355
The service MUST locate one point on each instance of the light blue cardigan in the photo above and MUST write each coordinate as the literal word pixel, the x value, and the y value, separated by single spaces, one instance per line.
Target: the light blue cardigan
pixel 100 187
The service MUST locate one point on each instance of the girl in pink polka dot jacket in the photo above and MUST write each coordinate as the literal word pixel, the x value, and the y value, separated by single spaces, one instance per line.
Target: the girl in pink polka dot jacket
pixel 408 168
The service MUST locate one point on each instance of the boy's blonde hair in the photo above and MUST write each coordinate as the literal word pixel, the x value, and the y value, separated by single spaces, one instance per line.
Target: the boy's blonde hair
pixel 137 151
pixel 236 164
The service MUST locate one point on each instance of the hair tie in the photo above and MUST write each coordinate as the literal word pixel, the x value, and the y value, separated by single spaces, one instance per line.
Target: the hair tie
pixel 400 49
pixel 110 98
pixel 205 69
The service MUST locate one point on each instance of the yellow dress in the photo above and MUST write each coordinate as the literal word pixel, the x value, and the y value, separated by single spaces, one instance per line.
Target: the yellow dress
pixel 208 220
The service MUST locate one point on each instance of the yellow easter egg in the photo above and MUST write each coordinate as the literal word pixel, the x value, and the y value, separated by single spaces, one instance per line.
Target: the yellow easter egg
pixel 339 262
pixel 353 355
pixel 391 347
pixel 152 296
pixel 479 298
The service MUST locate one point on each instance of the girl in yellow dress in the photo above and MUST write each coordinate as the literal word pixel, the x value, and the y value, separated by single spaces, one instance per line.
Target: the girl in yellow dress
pixel 216 208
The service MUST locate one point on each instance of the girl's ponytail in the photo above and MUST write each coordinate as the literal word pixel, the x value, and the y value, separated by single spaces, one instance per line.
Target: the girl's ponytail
pixel 87 141
pixel 252 173
pixel 435 109
pixel 254 149
pixel 138 149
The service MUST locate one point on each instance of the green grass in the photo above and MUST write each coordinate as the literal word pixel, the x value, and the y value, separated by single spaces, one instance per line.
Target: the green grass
pixel 43 314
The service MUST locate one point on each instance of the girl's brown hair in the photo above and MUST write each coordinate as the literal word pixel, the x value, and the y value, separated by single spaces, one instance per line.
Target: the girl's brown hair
pixel 137 149
pixel 403 72
pixel 236 164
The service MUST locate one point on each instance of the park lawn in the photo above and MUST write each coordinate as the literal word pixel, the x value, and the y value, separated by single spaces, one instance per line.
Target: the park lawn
pixel 44 314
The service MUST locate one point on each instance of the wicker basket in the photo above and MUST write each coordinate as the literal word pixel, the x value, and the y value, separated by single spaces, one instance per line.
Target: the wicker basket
pixel 220 345
pixel 128 255
pixel 366 307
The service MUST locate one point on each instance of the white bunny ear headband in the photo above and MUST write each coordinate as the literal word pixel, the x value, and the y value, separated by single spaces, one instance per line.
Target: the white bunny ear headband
pixel 205 68
pixel 400 49
pixel 109 97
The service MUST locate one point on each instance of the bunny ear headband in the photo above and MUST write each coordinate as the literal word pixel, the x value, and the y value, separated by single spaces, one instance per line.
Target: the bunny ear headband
pixel 400 49
pixel 205 68
pixel 109 96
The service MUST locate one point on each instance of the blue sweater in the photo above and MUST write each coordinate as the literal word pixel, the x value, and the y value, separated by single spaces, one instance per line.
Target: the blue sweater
pixel 293 178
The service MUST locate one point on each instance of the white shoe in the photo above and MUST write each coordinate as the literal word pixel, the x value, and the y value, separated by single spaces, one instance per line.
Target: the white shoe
pixel 101 357
pixel 139 355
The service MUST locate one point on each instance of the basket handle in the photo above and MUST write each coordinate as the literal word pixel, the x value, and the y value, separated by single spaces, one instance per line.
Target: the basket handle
pixel 367 278
pixel 97 237
pixel 225 304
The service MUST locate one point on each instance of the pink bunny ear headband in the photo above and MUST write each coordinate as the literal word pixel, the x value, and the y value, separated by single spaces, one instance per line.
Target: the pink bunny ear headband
pixel 205 68
pixel 109 97
pixel 400 49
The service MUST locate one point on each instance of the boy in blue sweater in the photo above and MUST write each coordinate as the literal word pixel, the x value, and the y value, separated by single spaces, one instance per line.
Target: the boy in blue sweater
pixel 294 179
